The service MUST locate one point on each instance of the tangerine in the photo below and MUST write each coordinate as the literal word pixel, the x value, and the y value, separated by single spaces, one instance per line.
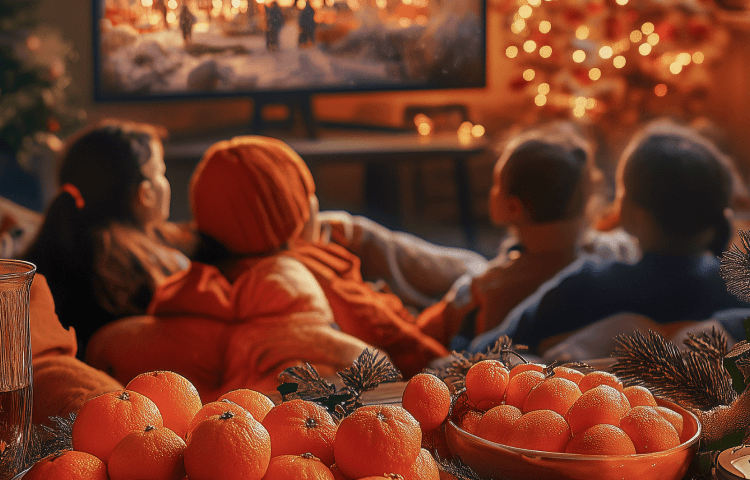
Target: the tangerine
pixel 68 465
pixel 300 426
pixel 496 424
pixel 254 402
pixel 649 430
pixel 428 399
pixel 556 394
pixel 543 430
pixel 177 398
pixel 209 410
pixel 424 468
pixel 599 377
pixel 520 385
pixel 672 417
pixel 599 405
pixel 104 420
pixel 601 439
pixel 336 474
pixel 570 373
pixel 638 395
pixel 486 382
pixel 299 467
pixel 469 420
pixel 152 454
pixel 375 439
pixel 526 367
pixel 214 446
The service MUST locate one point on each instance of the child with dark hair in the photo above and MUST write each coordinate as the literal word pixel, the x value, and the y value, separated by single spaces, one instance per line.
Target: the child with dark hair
pixel 105 243
pixel 673 195
pixel 543 183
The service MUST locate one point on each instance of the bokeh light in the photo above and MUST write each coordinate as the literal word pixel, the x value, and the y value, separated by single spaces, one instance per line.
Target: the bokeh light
pixel 545 26
pixel 582 32
pixel 590 104
pixel 543 88
pixel 675 68
pixel 529 74
pixel 595 74
pixel 605 52
pixel 660 90
pixel 636 36
pixel 545 51
pixel 529 46
pixel 579 56
pixel 647 28
pixel 698 57
pixel 619 61
pixel 653 39
pixel 511 51
pixel 540 100
pixel 644 49
pixel 684 58
pixel 518 26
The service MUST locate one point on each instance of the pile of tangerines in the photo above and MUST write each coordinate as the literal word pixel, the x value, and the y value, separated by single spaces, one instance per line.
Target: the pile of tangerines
pixel 564 410
pixel 158 429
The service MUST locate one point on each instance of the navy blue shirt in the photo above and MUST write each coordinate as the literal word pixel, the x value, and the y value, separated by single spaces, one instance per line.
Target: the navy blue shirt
pixel 662 287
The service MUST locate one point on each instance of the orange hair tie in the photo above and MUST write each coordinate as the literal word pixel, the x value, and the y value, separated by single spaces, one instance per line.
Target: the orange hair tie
pixel 73 191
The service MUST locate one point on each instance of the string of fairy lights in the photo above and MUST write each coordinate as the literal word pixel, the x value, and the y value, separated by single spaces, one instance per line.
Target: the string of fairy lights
pixel 584 58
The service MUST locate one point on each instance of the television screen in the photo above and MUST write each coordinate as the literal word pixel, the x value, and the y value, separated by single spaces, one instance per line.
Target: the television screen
pixel 149 49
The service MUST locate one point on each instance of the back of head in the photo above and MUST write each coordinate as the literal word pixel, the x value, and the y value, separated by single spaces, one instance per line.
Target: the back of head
pixel 251 194
pixel 100 173
pixel 681 179
pixel 550 170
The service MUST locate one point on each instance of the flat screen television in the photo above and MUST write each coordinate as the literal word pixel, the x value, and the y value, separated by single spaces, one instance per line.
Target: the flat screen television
pixel 273 49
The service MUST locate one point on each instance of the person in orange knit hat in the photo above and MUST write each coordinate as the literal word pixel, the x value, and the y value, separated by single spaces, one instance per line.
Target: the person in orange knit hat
pixel 269 205
pixel 61 382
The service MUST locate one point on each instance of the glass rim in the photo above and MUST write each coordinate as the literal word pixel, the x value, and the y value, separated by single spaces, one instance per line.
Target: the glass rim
pixel 24 268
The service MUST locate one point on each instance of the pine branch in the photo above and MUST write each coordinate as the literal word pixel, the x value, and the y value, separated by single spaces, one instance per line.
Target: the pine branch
pixel 303 382
pixel 458 469
pixel 711 345
pixel 687 378
pixel 368 371
pixel 735 267
pixel 46 440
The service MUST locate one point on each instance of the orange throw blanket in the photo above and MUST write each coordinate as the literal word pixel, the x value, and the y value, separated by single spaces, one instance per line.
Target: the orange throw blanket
pixel 62 383
pixel 223 335
pixel 377 318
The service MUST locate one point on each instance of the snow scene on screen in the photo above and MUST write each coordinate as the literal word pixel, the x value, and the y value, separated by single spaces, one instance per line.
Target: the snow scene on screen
pixel 179 47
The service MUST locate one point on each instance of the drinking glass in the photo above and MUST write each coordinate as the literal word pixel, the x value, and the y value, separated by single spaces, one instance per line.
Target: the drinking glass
pixel 15 364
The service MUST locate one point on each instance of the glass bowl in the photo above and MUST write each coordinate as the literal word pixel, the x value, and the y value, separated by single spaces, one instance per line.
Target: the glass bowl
pixel 502 462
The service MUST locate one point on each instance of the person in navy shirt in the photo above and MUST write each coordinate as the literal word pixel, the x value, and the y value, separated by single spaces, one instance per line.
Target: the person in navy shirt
pixel 673 195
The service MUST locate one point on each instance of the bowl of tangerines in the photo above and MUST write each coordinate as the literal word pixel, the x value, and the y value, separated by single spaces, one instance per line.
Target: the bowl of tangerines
pixel 531 422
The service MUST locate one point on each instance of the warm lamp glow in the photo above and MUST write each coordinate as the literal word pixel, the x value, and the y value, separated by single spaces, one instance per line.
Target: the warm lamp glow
pixel 684 58
pixel 424 128
pixel 147 3
pixel 660 90
pixel 579 56
pixel 525 11
pixel 540 100
pixel 636 36
pixel 511 51
pixel 647 28
pixel 172 4
pixel 529 46
pixel 545 26
pixel 545 51
pixel 698 57
pixel 590 104
pixel 605 52
pixel 477 131
pixel 619 61
pixel 595 74
pixel 518 26
pixel 653 39
pixel 675 68
pixel 644 49
pixel 578 112
pixel 543 88
pixel 582 32
pixel 622 2
pixel 529 74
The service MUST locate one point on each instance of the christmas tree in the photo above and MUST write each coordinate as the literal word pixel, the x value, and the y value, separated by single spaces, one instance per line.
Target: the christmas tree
pixel 613 62
pixel 35 106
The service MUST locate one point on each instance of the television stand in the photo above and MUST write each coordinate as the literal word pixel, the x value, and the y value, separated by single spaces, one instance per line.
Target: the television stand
pixel 291 113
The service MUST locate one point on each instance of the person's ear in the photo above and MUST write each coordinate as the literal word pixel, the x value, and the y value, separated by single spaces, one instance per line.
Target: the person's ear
pixel 146 195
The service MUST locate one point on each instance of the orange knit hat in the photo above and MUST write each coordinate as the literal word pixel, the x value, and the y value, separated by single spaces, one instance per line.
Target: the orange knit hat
pixel 251 194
